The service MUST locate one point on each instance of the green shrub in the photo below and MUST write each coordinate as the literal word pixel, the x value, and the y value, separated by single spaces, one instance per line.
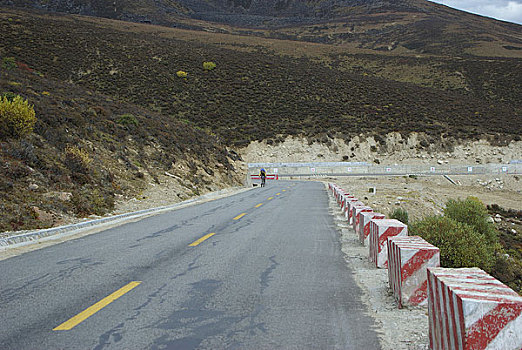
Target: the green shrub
pixel 400 214
pixel 17 117
pixel 8 63
pixel 77 160
pixel 9 95
pixel 460 244
pixel 209 65
pixel 182 74
pixel 89 200
pixel 473 212
pixel 127 119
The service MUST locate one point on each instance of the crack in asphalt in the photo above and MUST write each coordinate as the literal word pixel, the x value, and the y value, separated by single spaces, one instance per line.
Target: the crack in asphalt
pixel 31 286
pixel 265 276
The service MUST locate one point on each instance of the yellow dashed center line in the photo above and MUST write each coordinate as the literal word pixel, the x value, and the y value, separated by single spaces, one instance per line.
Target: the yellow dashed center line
pixel 202 239
pixel 270 198
pixel 239 216
pixel 260 204
pixel 82 316
pixel 284 190
pixel 278 194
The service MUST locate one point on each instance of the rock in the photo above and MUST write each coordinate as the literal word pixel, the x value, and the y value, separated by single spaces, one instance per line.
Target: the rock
pixel 513 231
pixel 440 161
pixel 498 216
pixel 400 198
pixel 497 220
pixel 42 215
pixel 33 187
pixel 62 196
pixel 397 203
pixel 490 219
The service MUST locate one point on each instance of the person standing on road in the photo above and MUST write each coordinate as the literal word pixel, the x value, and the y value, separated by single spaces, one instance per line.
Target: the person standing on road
pixel 262 175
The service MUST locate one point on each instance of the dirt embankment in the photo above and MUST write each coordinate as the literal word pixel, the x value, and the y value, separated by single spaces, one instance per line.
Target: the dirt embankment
pixel 420 196
pixel 391 148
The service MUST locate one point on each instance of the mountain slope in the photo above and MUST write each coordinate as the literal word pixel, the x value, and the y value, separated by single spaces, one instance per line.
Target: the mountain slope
pixel 257 94
pixel 88 150
pixel 401 26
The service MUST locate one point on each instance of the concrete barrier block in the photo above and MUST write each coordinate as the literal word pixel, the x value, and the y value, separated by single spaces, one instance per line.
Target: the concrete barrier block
pixel 380 231
pixel 469 309
pixel 348 206
pixel 408 259
pixel 364 225
pixel 352 205
pixel 357 210
pixel 344 201
pixel 340 193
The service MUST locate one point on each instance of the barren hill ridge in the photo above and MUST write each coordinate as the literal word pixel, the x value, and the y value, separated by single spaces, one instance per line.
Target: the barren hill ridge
pixel 400 26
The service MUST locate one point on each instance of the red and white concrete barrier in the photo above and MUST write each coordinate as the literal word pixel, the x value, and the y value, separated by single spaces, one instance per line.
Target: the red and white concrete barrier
pixel 347 207
pixel 344 201
pixel 364 225
pixel 357 210
pixel 380 231
pixel 469 309
pixel 408 260
pixel 352 205
pixel 340 196
pixel 268 177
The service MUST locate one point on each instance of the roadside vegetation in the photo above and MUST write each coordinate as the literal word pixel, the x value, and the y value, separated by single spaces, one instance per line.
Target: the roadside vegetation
pixel 69 152
pixel 400 214
pixel 466 238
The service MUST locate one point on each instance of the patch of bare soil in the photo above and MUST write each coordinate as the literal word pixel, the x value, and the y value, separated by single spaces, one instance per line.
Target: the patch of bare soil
pixel 391 148
pixel 423 196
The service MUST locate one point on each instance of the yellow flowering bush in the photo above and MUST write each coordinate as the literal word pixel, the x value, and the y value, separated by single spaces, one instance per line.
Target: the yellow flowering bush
pixel 77 159
pixel 17 117
pixel 181 74
pixel 209 65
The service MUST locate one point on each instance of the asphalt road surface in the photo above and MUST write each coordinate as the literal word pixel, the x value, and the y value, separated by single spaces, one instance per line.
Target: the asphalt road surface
pixel 262 269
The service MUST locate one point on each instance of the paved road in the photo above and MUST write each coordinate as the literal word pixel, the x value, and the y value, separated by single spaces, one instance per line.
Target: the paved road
pixel 273 278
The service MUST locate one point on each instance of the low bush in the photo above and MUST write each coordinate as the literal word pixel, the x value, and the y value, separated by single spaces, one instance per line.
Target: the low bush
pixel 182 74
pixel 460 244
pixel 77 160
pixel 17 117
pixel 400 214
pixel 473 212
pixel 8 63
pixel 89 200
pixel 209 65
pixel 127 120
pixel 9 95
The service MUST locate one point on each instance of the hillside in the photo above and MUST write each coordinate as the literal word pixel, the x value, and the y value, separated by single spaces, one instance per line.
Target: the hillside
pixel 111 89
pixel 256 93
pixel 395 26
pixel 88 150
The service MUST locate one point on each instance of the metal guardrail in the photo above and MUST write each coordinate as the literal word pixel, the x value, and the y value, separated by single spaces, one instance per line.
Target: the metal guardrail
pixel 364 169
pixel 300 165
